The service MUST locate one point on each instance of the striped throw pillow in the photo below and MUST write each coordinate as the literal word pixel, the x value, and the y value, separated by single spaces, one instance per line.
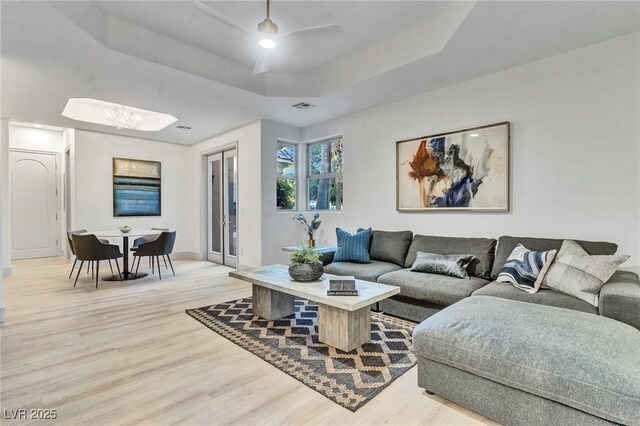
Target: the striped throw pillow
pixel 353 247
pixel 526 269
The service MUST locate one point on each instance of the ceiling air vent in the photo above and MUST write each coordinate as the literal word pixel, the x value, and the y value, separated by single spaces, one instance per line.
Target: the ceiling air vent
pixel 183 127
pixel 303 105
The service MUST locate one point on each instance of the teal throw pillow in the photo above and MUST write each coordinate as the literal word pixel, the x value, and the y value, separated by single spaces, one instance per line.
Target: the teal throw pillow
pixel 353 247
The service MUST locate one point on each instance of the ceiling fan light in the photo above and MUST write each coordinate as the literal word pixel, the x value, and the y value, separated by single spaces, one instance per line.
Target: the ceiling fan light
pixel 267 26
pixel 267 43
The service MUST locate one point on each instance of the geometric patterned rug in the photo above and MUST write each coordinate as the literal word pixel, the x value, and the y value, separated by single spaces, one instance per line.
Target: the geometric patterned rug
pixel 350 379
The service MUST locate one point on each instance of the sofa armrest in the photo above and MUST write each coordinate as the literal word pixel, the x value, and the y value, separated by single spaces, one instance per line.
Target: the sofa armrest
pixel 326 257
pixel 620 298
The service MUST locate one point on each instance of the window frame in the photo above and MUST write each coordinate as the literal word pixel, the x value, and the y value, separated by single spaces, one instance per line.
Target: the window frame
pixel 308 176
pixel 295 177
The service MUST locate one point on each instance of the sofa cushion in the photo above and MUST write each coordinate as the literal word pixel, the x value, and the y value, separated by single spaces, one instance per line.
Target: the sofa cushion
pixel 544 296
pixel 439 289
pixel 506 244
pixel 482 248
pixel 390 246
pixel 362 271
pixel 586 362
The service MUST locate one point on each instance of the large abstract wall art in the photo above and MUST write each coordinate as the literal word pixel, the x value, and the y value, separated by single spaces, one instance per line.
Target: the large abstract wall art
pixel 462 170
pixel 136 187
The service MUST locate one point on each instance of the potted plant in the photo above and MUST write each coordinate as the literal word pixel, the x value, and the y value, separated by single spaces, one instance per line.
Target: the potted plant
pixel 305 264
pixel 309 228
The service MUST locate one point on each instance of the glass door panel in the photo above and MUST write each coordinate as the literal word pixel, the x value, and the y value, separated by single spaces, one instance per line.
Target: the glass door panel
pixel 230 201
pixel 215 206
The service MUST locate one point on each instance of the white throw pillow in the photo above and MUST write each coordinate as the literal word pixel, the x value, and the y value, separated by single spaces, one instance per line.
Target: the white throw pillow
pixel 580 275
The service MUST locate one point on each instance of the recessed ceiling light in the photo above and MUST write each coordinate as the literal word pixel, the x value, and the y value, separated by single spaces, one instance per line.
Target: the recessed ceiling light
pixel 474 135
pixel 115 115
pixel 303 105
pixel 267 43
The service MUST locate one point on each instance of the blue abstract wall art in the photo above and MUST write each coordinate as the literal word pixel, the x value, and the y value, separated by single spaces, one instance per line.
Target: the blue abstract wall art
pixel 461 170
pixel 136 187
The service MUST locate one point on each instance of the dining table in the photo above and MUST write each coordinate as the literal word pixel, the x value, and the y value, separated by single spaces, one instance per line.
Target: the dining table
pixel 116 233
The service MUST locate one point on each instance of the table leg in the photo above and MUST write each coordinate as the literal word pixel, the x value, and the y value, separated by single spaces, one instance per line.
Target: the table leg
pixel 271 304
pixel 125 259
pixel 345 330
pixel 126 274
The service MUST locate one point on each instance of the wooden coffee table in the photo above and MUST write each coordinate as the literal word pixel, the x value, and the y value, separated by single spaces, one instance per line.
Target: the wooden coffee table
pixel 344 322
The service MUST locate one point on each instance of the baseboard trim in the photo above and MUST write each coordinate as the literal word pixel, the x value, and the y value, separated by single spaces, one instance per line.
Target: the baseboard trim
pixel 241 267
pixel 185 255
pixel 7 272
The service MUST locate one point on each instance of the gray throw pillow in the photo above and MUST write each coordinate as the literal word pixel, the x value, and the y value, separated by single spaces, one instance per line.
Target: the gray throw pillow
pixel 453 265
pixel 580 275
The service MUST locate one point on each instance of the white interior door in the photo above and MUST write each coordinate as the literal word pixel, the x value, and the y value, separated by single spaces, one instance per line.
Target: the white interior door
pixel 34 218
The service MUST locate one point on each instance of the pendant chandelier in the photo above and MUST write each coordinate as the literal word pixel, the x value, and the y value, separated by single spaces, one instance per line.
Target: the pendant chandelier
pixel 122 118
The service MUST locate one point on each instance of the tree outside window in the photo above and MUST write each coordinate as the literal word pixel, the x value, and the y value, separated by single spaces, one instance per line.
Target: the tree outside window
pixel 324 177
pixel 286 184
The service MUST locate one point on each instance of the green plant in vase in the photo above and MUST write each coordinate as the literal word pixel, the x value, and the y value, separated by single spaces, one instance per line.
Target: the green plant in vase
pixel 309 227
pixel 305 255
pixel 305 264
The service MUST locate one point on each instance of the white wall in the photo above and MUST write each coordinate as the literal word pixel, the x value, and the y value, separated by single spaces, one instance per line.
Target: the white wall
pixel 4 196
pixel 69 143
pixel 5 247
pixel 574 140
pixel 93 206
pixel 35 139
pixel 2 313
pixel 278 228
pixel 247 139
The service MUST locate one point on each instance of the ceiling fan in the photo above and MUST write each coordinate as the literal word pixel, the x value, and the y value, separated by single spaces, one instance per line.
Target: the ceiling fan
pixel 267 32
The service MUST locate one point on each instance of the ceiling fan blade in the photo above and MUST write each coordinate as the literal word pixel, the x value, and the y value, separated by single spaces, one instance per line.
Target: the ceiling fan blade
pixel 223 19
pixel 262 64
pixel 316 28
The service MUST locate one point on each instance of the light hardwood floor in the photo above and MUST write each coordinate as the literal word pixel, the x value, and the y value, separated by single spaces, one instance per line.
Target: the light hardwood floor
pixel 126 353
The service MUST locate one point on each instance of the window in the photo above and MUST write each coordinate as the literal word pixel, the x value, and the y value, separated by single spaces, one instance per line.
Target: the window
pixel 286 184
pixel 324 175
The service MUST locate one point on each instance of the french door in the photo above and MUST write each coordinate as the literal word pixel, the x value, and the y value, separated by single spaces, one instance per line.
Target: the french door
pixel 222 207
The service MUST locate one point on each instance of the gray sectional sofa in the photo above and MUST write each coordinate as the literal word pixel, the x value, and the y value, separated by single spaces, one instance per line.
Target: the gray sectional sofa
pixel 528 364
pixel 422 294
pixel 522 359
